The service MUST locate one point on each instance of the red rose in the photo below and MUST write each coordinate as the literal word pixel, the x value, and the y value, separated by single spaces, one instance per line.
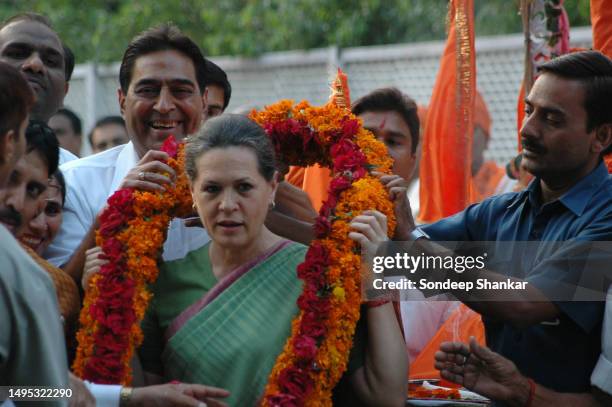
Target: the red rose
pixel 122 200
pixel 343 147
pixel 295 381
pixel 309 271
pixel 312 325
pixel 339 184
pixel 170 146
pixel 322 227
pixel 111 221
pixel 309 300
pixel 328 206
pixel 305 347
pixel 350 127
pixel 113 250
pixel 349 162
pixel 284 400
pixel 317 253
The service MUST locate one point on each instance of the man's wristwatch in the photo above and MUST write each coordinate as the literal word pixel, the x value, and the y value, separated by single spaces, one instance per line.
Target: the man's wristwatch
pixel 125 396
pixel 418 233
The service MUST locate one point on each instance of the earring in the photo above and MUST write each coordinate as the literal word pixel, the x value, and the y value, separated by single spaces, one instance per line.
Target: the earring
pixel 193 206
pixel 272 205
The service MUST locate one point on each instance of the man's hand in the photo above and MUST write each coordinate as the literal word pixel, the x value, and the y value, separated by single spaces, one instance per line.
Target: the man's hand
pixel 369 230
pixel 148 174
pixel 81 396
pixel 398 187
pixel 483 371
pixel 179 395
pixel 93 262
pixel 294 202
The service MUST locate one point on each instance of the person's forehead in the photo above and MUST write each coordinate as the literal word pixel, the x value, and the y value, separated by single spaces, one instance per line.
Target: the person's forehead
pixel 551 91
pixel 389 120
pixel 110 129
pixel 34 165
pixel 167 66
pixel 59 121
pixel 215 95
pixel 32 33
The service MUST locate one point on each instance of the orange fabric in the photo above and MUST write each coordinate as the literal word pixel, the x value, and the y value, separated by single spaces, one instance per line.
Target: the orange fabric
pixel 445 179
pixel 313 180
pixel 482 118
pixel 68 299
pixel 486 181
pixel 462 324
pixel 601 21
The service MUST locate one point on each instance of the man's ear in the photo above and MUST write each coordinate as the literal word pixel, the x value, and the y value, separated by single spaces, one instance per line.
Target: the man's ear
pixel 603 137
pixel 8 144
pixel 205 102
pixel 66 88
pixel 121 98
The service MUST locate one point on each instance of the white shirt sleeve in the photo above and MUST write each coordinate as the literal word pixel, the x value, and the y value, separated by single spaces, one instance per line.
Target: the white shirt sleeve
pixel 602 374
pixel 106 395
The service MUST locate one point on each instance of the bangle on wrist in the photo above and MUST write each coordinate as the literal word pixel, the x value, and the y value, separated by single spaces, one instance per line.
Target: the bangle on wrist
pixel 125 396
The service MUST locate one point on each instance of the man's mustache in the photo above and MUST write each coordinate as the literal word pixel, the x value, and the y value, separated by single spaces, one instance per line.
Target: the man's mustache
pixel 535 147
pixel 10 216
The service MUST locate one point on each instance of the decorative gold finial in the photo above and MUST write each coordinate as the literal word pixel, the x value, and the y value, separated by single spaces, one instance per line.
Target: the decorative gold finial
pixel 340 91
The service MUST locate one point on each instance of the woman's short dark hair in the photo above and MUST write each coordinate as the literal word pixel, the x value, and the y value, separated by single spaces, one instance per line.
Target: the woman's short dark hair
pixel 41 138
pixel 230 130
pixel 62 184
pixel 161 38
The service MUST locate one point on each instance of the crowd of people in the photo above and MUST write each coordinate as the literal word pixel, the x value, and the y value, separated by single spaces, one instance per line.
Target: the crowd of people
pixel 226 295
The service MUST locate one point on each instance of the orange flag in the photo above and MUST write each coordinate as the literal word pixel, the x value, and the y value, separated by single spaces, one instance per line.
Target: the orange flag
pixel 447 145
pixel 601 21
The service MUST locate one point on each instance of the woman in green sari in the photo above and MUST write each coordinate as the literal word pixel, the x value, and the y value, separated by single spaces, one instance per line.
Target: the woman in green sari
pixel 222 315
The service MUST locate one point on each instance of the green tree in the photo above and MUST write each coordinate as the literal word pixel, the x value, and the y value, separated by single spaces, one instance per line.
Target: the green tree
pixel 99 30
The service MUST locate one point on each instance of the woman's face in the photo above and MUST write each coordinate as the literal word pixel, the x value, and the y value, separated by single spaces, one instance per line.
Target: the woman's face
pixel 231 196
pixel 40 231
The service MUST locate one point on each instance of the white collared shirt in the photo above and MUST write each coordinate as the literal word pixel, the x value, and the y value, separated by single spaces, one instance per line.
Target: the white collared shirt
pixel 66 156
pixel 89 183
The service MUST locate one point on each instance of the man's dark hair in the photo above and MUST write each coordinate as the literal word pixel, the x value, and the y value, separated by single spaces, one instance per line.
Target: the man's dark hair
pixel 16 99
pixel 161 38
pixel 106 120
pixel 391 99
pixel 44 20
pixel 68 62
pixel 75 122
pixel 217 76
pixel 594 70
pixel 41 138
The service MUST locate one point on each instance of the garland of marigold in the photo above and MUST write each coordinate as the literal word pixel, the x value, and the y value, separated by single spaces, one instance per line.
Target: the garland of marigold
pixel 131 234
pixel 316 354
pixel 134 224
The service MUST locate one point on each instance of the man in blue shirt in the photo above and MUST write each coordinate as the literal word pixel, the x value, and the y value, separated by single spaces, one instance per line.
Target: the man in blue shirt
pixel 566 131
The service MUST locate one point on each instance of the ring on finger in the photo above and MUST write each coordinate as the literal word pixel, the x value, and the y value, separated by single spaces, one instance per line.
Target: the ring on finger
pixel 142 176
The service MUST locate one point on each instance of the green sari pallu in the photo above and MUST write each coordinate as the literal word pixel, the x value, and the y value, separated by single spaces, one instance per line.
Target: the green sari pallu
pixel 233 340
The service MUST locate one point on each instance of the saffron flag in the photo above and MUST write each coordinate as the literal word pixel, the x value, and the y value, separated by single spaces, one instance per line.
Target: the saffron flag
pixel 601 21
pixel 445 176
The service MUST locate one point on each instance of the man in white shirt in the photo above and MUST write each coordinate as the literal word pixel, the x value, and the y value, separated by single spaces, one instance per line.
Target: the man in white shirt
pixel 29 43
pixel 162 93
